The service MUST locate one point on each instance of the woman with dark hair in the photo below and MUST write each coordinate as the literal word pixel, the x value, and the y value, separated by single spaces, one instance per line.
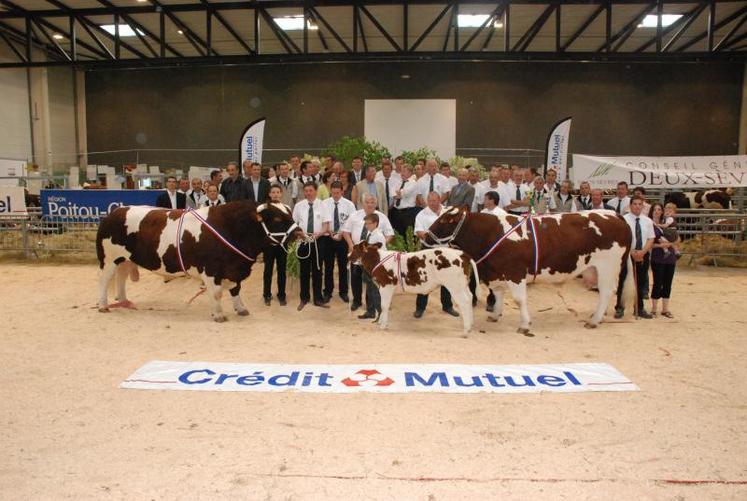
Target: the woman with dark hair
pixel 663 264
pixel 328 178
pixel 347 186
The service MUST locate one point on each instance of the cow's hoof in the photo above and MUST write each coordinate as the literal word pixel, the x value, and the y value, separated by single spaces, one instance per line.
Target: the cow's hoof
pixel 492 319
pixel 220 319
pixel 243 313
pixel 104 309
pixel 590 325
pixel 523 330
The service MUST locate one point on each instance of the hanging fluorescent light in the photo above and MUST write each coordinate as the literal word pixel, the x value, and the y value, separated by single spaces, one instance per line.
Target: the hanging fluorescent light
pixel 124 30
pixel 651 20
pixel 293 23
pixel 57 36
pixel 475 21
pixel 180 32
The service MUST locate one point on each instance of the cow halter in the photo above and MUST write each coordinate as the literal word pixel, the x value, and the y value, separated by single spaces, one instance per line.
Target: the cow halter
pixel 442 241
pixel 396 255
pixel 273 236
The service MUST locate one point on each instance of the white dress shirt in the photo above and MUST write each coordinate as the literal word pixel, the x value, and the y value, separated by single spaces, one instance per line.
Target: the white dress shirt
pixel 440 185
pixel 647 228
pixel 354 225
pixel 357 176
pixel 496 211
pixel 450 181
pixel 172 198
pixel 478 198
pixel 624 204
pixel 523 190
pixel 301 214
pixel 408 195
pixel 426 218
pixel 377 237
pixel 206 202
pixel 486 188
pixel 394 181
pixel 345 209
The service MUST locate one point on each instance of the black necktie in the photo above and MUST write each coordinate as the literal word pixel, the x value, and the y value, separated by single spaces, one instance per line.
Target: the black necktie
pixel 364 232
pixel 638 234
pixel 310 222
pixel 396 204
pixel 431 186
pixel 617 208
pixel 518 192
pixel 386 184
pixel 337 218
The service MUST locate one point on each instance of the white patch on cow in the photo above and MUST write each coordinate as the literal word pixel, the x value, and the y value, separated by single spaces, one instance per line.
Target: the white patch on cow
pixel 169 237
pixel 452 210
pixel 135 215
pixel 261 207
pixel 594 227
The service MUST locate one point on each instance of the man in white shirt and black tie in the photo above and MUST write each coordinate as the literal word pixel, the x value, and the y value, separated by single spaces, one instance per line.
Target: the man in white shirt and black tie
pixel 404 206
pixel 642 229
pixel 389 179
pixel 337 211
pixel 583 201
pixel 309 215
pixel 354 231
pixel 432 181
pixel 621 202
pixel 517 193
pixel 423 222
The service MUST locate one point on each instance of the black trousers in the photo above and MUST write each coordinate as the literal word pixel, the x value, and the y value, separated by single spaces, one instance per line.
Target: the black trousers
pixel 373 297
pixel 310 272
pixel 401 219
pixel 641 282
pixel 473 290
pixel 356 283
pixel 422 300
pixel 663 276
pixel 336 251
pixel 274 256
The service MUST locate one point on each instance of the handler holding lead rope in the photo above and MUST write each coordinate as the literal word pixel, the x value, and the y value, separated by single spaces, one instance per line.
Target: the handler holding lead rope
pixel 423 221
pixel 310 216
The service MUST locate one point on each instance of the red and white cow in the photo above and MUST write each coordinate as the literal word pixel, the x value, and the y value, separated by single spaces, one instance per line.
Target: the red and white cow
pixel 145 236
pixel 569 244
pixel 418 273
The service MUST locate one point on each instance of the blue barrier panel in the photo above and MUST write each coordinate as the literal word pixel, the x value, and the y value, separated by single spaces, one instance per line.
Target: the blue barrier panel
pixel 91 204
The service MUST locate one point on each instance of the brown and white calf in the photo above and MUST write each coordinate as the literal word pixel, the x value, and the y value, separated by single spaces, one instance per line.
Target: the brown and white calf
pixel 569 244
pixel 146 236
pixel 418 273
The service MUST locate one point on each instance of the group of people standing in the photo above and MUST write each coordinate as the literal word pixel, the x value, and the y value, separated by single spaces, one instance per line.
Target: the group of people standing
pixel 339 208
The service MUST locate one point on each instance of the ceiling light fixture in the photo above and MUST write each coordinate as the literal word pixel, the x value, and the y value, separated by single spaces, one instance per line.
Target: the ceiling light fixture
pixel 124 30
pixel 651 20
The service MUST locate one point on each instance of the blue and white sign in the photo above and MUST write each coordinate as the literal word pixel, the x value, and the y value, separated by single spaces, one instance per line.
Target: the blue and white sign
pixel 556 151
pixel 91 204
pixel 250 146
pixel 378 378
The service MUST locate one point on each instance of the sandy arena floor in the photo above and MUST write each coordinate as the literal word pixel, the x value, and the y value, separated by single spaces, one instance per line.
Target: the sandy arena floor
pixel 69 432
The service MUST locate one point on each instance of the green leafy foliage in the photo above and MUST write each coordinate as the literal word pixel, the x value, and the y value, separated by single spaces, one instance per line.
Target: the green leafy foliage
pixel 411 157
pixel 293 266
pixel 463 162
pixel 407 243
pixel 348 147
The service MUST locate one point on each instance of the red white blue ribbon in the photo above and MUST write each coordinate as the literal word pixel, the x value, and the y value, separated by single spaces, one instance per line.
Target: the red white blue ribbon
pixel 212 230
pixel 500 240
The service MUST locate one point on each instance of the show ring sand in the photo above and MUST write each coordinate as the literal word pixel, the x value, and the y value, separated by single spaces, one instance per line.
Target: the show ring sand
pixel 69 432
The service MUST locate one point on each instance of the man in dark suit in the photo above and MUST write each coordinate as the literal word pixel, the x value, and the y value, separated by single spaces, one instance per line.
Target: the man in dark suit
pixel 257 187
pixel 171 199
pixel 233 187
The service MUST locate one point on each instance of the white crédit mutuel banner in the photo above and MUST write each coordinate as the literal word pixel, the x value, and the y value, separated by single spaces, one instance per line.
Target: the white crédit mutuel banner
pixel 556 150
pixel 12 201
pixel 661 172
pixel 250 146
pixel 378 378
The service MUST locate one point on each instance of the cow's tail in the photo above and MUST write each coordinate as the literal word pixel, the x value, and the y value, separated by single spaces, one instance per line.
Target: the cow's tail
pixel 100 246
pixel 628 286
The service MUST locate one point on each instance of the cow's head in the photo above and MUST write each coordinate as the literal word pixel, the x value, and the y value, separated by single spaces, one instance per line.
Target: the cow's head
pixel 364 253
pixel 445 229
pixel 277 221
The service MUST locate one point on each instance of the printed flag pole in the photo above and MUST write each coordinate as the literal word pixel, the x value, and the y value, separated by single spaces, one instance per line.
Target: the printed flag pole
pixel 250 145
pixel 556 150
